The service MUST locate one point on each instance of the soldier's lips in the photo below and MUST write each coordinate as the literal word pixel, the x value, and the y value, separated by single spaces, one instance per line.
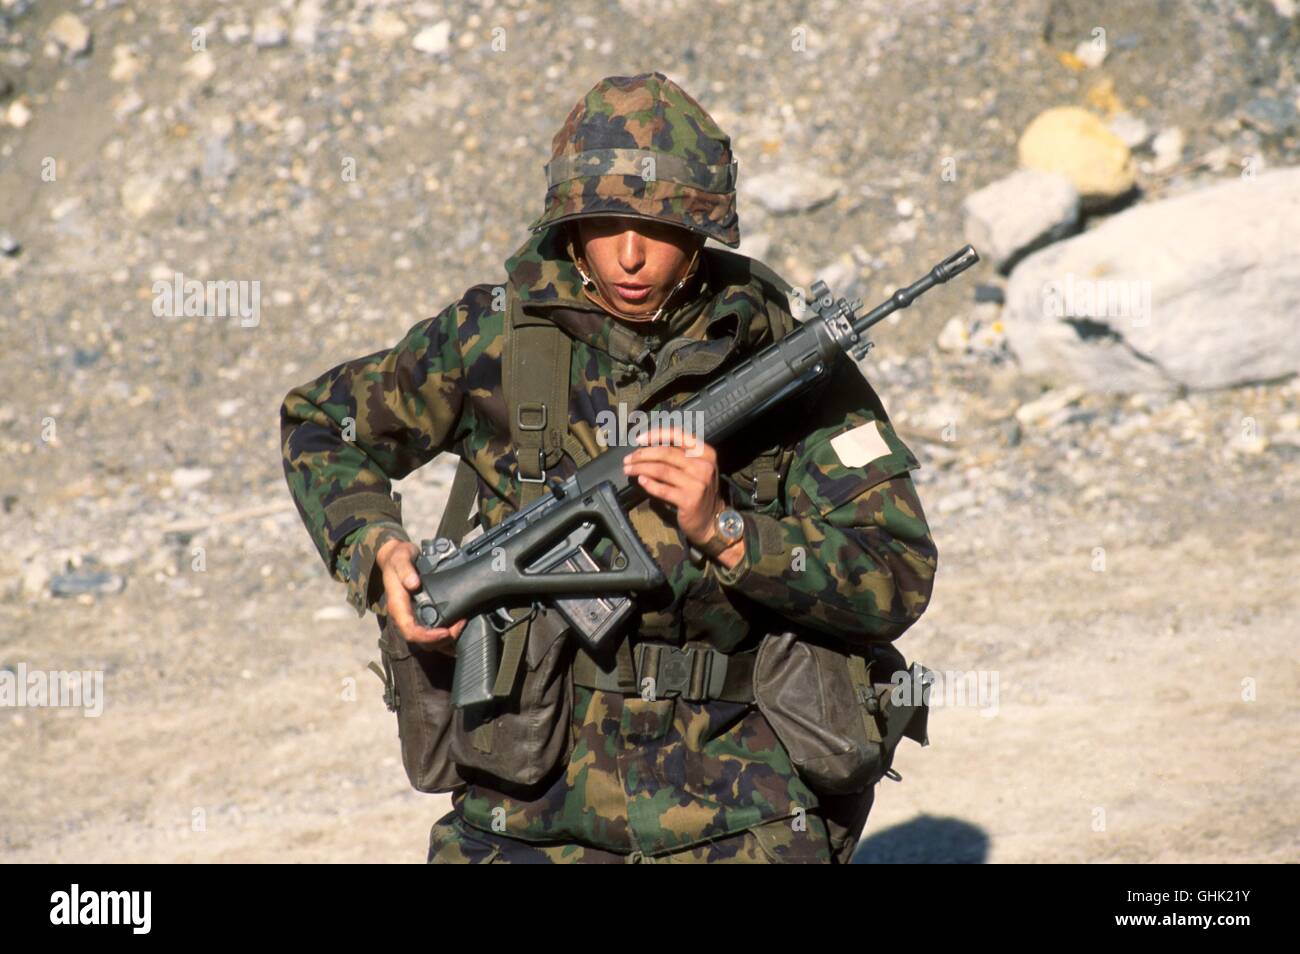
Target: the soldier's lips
pixel 633 292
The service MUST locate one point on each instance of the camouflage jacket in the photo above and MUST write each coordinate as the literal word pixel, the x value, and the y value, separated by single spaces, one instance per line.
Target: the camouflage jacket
pixel 844 548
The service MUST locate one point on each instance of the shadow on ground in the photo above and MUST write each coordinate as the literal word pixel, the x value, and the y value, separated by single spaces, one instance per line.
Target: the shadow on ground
pixel 925 840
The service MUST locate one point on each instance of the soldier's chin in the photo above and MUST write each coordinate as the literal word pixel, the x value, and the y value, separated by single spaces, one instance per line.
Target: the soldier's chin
pixel 640 309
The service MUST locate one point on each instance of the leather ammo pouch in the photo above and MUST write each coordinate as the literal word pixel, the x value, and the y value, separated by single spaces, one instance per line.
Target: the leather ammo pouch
pixel 839 715
pixel 526 733
pixel 522 738
pixel 418 688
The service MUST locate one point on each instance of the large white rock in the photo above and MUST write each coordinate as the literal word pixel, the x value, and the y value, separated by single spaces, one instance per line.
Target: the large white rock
pixel 1201 290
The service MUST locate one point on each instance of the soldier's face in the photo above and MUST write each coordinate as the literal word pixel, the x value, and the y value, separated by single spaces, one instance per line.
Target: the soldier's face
pixel 636 262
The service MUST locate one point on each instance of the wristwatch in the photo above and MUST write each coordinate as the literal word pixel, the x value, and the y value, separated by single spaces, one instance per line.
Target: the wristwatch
pixel 729 529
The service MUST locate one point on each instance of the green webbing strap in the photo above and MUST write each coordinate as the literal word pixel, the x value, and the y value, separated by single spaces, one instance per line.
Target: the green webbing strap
pixel 769 469
pixel 455 522
pixel 576 450
pixel 536 384
pixel 481 736
pixel 862 686
pixel 696 673
pixel 512 656
pixel 621 679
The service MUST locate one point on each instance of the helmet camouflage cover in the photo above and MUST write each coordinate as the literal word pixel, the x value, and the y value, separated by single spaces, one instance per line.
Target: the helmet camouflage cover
pixel 641 146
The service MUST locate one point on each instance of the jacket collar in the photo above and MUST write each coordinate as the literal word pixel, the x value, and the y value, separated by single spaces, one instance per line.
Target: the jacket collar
pixel 548 282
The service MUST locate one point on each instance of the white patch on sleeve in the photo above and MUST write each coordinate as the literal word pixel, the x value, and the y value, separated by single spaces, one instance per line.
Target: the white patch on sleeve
pixel 860 445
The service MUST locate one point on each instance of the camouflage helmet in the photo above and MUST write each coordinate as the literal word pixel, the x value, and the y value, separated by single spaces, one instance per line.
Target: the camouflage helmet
pixel 641 146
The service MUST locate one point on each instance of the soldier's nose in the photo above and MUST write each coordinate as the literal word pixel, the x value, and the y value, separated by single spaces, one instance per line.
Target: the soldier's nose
pixel 631 252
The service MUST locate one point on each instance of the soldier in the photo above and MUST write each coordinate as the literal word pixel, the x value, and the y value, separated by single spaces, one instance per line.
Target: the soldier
pixel 811 521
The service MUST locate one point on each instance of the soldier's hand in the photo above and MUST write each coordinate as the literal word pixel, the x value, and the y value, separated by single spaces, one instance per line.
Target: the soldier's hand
pixel 684 473
pixel 396 559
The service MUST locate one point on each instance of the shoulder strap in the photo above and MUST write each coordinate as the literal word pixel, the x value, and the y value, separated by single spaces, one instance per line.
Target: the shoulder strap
pixel 455 522
pixel 535 382
pixel 770 467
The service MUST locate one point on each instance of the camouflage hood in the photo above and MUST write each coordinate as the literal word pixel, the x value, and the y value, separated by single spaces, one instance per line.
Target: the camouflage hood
pixel 640 146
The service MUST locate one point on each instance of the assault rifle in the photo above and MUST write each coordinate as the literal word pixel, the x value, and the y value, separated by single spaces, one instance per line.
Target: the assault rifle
pixel 544 552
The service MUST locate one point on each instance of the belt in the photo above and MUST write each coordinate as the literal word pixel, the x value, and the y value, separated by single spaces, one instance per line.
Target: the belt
pixel 694 673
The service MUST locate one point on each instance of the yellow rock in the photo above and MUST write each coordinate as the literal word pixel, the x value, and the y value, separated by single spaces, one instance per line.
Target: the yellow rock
pixel 1070 61
pixel 1103 96
pixel 1077 144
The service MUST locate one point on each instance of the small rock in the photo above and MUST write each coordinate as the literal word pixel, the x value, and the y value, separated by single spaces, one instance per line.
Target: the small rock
pixel 1091 53
pixel 66 208
pixel 1135 132
pixel 117 556
pixel 329 614
pixel 1043 408
pixel 306 23
pixel 69 32
pixel 387 26
pixel 958 500
pixel 126 65
pixel 904 208
pixel 187 478
pixel 9 245
pixel 128 104
pixel 1218 158
pixel 433 39
pixel 1250 446
pixel 1008 219
pixel 235 33
pixel 791 190
pixel 35 579
pixel 201 66
pixel 1285 8
pixel 18 114
pixel 1168 147
pixel 87 582
pixel 900 233
pixel 937 454
pixel 954 336
pixel 841 277
pixel 218 161
pixel 140 194
pixel 270 31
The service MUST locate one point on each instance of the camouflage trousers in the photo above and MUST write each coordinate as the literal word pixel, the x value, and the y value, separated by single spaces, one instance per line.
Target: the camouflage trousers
pixel 453 841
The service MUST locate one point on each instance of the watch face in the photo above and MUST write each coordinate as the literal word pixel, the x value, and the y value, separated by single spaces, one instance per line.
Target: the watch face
pixel 731 525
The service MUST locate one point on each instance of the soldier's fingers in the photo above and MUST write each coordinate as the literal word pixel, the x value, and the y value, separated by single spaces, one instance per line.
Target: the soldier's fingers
pixel 402 565
pixel 447 645
pixel 671 435
pixel 399 606
pixel 687 480
pixel 675 456
pixel 662 491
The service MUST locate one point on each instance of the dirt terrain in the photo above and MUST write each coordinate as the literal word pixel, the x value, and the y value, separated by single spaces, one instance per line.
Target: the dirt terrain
pixel 1120 571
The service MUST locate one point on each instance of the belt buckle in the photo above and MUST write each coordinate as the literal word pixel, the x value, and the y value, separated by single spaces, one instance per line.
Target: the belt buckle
pixel 674 674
